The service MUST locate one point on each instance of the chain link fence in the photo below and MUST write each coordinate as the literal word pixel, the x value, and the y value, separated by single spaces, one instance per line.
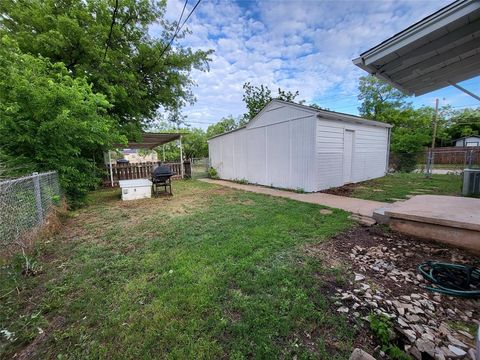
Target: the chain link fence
pixel 199 167
pixel 25 203
pixel 440 161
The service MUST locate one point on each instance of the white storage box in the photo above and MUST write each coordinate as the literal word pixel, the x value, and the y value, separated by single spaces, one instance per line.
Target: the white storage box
pixel 136 189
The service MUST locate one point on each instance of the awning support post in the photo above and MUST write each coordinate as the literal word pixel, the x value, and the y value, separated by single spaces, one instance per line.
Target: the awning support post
pixel 182 170
pixel 111 168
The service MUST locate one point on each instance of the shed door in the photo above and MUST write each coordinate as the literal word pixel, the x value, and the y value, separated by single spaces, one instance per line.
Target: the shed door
pixel 347 155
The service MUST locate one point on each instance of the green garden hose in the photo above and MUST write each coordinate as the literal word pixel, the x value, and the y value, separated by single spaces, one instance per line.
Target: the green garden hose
pixel 451 279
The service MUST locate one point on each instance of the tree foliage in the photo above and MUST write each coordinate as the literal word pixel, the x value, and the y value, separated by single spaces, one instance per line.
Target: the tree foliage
pixel 462 123
pixel 50 120
pixel 108 43
pixel 224 125
pixel 380 100
pixel 194 142
pixel 412 128
pixel 256 97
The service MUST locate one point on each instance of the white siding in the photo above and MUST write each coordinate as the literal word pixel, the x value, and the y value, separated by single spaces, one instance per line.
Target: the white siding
pixel 280 154
pixel 277 113
pixel 256 156
pixel 286 146
pixel 302 152
pixel 370 146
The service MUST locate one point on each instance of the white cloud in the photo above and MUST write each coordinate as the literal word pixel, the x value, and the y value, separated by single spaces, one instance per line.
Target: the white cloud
pixel 297 45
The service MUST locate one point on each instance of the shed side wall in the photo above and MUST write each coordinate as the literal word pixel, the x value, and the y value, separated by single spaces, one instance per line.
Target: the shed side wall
pixel 277 151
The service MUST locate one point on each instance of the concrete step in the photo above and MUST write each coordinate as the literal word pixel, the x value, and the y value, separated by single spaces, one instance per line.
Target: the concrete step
pixel 364 220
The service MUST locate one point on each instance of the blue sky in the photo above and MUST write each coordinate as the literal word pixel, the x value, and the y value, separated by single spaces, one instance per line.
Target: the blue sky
pixel 296 45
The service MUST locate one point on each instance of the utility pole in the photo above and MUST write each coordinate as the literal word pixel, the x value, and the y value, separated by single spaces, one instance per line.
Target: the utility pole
pixel 435 117
pixel 434 135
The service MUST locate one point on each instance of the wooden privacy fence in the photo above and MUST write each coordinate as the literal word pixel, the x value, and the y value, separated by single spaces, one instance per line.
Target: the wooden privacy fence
pixel 456 155
pixel 142 171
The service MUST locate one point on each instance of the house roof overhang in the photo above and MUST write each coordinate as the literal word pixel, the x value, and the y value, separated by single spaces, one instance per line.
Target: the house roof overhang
pixel 440 50
pixel 150 141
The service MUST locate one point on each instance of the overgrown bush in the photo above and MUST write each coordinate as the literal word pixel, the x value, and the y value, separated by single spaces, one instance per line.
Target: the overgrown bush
pixel 406 147
pixel 51 121
pixel 405 162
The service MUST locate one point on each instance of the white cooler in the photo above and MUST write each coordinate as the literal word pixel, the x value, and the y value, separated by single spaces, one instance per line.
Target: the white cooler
pixel 136 189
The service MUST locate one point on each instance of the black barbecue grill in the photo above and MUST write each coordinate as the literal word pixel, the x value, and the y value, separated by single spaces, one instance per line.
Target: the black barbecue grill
pixel 161 178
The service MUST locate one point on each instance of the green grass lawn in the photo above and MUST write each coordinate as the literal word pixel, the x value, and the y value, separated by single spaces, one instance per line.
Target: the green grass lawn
pixel 401 185
pixel 209 273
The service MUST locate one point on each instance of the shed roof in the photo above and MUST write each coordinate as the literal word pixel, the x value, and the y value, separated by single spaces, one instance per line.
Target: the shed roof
pixel 334 115
pixel 439 50
pixel 469 136
pixel 151 140
pixel 326 114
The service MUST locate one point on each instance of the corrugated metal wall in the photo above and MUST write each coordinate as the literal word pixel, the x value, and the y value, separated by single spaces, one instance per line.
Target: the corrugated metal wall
pixel 370 146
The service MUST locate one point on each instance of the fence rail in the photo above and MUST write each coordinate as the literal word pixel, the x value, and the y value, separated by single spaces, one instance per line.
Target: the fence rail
pixel 25 204
pixel 142 171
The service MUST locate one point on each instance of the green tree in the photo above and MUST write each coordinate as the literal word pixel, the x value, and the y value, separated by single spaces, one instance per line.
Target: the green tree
pixel 51 121
pixel 379 99
pixel 461 123
pixel 195 144
pixel 256 97
pixel 412 128
pixel 108 43
pixel 224 125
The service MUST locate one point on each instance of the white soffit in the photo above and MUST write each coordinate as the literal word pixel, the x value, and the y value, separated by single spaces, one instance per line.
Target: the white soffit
pixel 442 49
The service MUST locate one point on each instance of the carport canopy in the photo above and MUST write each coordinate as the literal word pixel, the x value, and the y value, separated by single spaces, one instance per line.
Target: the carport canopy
pixel 150 140
pixel 440 50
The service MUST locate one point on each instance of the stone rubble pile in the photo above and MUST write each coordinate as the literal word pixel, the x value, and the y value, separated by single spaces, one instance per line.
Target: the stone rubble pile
pixel 423 321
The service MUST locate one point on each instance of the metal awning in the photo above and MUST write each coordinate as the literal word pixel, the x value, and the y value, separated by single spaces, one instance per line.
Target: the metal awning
pixel 150 141
pixel 440 50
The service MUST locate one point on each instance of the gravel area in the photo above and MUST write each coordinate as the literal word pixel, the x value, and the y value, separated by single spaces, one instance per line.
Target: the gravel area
pixel 385 280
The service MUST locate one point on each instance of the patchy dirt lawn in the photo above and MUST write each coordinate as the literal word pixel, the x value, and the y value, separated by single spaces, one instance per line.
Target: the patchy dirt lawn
pixel 384 280
pixel 401 186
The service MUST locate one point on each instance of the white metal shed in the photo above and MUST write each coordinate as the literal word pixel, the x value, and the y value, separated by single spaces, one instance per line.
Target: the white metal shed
pixel 293 146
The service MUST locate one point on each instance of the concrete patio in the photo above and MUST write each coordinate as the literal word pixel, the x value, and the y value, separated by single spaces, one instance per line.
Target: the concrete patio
pixel 449 219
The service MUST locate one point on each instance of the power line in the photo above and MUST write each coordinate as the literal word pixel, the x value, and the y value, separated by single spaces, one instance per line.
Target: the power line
pixel 199 122
pixel 179 28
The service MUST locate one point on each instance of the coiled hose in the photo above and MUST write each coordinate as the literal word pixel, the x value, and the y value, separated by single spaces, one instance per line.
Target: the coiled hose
pixel 451 279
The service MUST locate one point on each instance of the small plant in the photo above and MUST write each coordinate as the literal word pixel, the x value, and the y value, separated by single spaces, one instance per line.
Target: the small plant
pixel 382 328
pixel 241 181
pixel 300 191
pixel 212 173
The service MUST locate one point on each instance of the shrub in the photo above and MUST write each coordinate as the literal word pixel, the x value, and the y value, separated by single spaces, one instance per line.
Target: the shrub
pixel 51 121
pixel 406 147
pixel 212 173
